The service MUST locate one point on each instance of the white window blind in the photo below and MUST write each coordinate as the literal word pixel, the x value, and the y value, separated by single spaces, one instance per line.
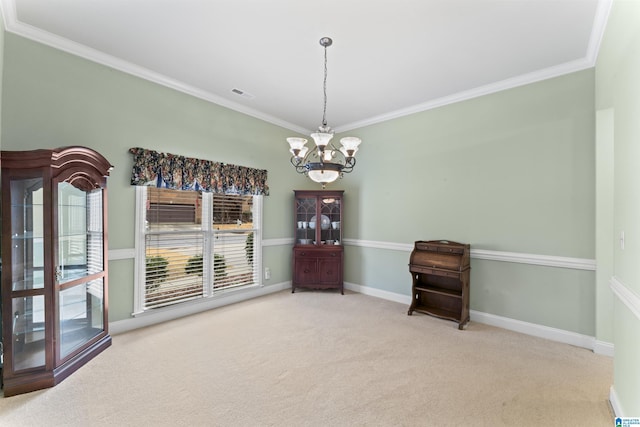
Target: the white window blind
pixel 193 245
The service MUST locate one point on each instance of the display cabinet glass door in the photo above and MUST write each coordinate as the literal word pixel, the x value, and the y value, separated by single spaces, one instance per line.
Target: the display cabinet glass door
pixel 330 209
pixel 27 274
pixel 80 267
pixel 306 208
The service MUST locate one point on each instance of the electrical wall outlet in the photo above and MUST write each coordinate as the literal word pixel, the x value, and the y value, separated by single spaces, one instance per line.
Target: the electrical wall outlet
pixel 267 273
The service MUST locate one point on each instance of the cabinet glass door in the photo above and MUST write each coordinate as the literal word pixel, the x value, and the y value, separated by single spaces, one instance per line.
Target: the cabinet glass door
pixel 306 220
pixel 27 236
pixel 27 274
pixel 330 208
pixel 80 262
pixel 80 237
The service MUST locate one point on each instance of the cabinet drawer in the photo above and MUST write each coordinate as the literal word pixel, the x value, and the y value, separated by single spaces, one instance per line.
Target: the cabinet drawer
pixel 318 253
pixel 449 250
pixel 426 270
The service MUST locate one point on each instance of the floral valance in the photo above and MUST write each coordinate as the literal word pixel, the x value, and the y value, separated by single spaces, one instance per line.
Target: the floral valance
pixel 166 170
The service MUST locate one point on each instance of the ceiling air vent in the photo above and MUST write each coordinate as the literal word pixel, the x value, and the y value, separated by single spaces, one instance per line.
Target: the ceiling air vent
pixel 242 93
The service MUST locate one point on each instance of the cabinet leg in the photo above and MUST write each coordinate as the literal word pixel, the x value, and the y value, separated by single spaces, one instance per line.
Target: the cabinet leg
pixel 293 290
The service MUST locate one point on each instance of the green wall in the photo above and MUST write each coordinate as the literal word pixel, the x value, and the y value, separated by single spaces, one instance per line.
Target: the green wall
pixel 512 171
pixel 54 99
pixel 618 93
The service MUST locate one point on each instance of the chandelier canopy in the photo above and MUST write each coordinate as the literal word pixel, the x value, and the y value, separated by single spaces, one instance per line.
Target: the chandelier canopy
pixel 325 163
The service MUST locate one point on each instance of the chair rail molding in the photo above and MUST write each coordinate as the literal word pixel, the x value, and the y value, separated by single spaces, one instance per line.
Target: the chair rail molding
pixel 485 254
pixel 625 295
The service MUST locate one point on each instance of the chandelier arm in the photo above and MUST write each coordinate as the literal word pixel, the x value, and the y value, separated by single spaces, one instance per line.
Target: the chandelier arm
pixel 349 165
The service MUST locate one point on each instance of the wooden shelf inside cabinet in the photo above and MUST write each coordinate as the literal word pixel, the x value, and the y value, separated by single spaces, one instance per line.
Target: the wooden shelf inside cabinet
pixel 440 280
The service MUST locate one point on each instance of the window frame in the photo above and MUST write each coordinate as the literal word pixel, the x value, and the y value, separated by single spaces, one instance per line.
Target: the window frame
pixel 209 232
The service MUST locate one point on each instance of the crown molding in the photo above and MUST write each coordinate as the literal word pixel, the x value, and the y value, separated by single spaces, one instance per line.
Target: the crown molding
pixel 13 25
pixel 603 9
pixel 522 80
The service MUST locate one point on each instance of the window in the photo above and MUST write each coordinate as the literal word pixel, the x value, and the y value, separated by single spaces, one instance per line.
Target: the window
pixel 192 245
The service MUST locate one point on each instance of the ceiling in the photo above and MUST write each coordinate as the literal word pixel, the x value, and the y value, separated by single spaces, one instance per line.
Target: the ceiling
pixel 389 58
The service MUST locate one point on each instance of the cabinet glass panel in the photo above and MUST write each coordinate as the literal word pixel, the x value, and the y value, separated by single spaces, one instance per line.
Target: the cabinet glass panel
pixel 330 226
pixel 28 332
pixel 306 220
pixel 81 315
pixel 27 245
pixel 80 238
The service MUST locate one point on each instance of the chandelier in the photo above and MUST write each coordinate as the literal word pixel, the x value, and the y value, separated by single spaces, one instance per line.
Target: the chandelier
pixel 325 163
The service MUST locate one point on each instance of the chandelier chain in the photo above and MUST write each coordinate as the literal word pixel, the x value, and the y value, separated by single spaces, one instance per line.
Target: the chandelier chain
pixel 324 87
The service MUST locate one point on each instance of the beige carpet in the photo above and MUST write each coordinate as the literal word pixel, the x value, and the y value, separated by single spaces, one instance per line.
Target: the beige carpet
pixel 323 359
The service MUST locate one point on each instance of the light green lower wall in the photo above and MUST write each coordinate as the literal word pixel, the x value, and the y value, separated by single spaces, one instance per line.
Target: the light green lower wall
pixel 559 298
pixel 627 360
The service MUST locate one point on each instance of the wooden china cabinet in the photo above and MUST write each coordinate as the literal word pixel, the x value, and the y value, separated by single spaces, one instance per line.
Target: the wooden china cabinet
pixel 317 252
pixel 54 264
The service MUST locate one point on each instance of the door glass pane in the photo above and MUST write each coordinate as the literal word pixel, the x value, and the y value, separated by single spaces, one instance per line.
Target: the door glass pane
pixel 28 332
pixel 305 220
pixel 80 244
pixel 330 228
pixel 81 315
pixel 27 246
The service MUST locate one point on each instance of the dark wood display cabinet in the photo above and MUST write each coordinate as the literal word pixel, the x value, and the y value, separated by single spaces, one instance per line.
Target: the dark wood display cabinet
pixel 54 264
pixel 440 280
pixel 318 254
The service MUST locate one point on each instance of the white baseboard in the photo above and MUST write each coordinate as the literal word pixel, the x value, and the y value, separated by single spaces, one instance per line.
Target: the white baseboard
pixel 374 292
pixel 604 348
pixel 527 328
pixel 615 403
pixel 535 330
pixel 553 334
pixel 162 315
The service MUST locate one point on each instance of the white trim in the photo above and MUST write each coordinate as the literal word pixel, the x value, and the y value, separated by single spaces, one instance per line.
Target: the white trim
pixel 604 348
pixel 521 258
pixel 405 247
pixel 615 403
pixel 118 254
pixel 277 242
pixel 534 259
pixel 603 9
pixel 378 293
pixel 626 295
pixel 535 330
pixel 152 317
pixel 522 80
pixel 553 334
pixel 12 24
